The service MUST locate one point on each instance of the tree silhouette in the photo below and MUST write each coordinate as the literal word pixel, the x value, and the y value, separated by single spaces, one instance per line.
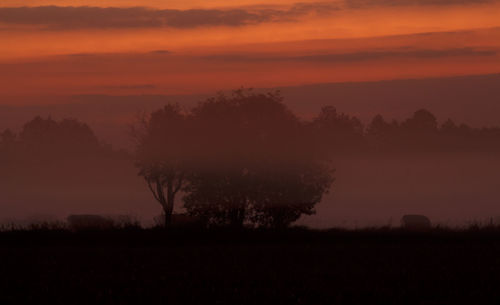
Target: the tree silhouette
pixel 422 121
pixel 161 155
pixel 378 127
pixel 336 132
pixel 243 137
pixel 55 153
pixel 449 127
pixel 382 135
pixel 7 137
pixel 235 133
pixel 50 139
pixel 8 141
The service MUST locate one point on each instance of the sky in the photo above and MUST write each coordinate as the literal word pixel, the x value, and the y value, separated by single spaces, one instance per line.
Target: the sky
pixel 124 47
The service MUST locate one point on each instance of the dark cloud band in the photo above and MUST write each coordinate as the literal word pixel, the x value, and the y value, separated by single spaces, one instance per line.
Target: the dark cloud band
pixel 376 3
pixel 70 18
pixel 360 56
pixel 60 18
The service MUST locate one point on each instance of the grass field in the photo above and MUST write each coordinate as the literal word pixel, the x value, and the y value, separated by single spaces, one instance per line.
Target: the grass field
pixel 296 266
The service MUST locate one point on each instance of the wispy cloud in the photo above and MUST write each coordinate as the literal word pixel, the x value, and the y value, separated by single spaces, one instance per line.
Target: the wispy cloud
pixel 372 3
pixel 161 52
pixel 371 55
pixel 132 87
pixel 162 57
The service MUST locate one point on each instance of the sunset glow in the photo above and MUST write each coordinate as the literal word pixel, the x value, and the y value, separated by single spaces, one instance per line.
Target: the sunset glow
pixel 115 47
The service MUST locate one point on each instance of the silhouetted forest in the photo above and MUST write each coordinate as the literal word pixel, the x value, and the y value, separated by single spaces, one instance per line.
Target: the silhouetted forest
pixel 329 129
pixel 238 159
pixel 45 140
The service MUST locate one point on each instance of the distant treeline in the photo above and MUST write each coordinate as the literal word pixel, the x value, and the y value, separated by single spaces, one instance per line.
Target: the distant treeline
pixel 338 133
pixel 43 139
pixel 330 130
pixel 245 158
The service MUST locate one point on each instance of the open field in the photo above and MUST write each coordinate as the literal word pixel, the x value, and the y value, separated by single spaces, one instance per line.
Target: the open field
pixel 297 266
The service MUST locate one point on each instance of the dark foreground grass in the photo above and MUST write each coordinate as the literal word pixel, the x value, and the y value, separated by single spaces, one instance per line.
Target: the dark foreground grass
pixel 297 266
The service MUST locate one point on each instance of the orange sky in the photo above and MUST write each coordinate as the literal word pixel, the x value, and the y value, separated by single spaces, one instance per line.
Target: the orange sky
pixel 113 47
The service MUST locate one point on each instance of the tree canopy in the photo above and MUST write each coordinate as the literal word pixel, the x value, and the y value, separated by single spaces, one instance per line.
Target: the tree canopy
pixel 237 156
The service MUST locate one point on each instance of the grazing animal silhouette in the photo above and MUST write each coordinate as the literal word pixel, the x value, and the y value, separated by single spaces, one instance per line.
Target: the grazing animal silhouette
pixel 89 222
pixel 415 222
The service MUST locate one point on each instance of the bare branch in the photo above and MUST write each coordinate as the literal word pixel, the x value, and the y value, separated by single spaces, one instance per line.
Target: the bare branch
pixel 180 180
pixel 152 190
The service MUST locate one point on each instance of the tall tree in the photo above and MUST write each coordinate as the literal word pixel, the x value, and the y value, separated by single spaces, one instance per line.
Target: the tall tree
pixel 246 137
pixel 161 154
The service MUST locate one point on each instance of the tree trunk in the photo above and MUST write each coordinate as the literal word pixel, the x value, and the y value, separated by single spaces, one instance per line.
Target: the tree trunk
pixel 168 218
pixel 168 208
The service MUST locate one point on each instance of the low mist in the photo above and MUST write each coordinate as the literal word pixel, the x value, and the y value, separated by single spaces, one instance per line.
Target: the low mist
pixel 382 171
